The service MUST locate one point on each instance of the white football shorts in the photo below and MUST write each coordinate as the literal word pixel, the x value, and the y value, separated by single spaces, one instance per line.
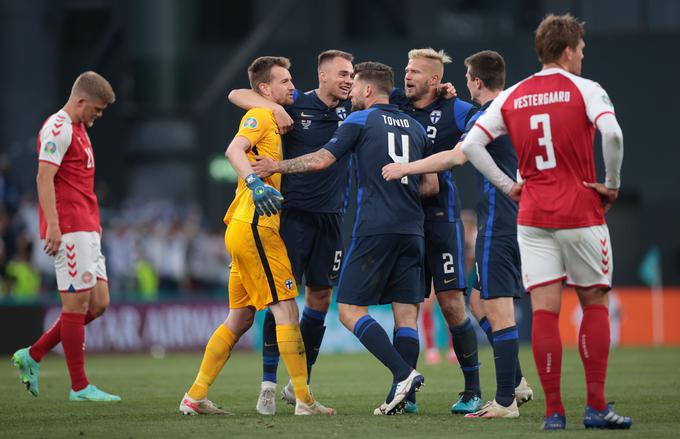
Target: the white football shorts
pixel 583 256
pixel 79 263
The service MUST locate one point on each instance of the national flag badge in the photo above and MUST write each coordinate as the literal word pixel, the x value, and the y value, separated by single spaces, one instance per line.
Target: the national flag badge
pixel 341 112
pixel 435 115
pixel 289 284
pixel 50 147
pixel 251 122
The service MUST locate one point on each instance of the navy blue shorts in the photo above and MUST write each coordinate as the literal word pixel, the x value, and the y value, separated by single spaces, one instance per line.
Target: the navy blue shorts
pixel 498 267
pixel 382 269
pixel 314 242
pixel 444 256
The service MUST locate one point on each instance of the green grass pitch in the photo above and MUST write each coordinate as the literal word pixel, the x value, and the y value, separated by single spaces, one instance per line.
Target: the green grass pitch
pixel 644 382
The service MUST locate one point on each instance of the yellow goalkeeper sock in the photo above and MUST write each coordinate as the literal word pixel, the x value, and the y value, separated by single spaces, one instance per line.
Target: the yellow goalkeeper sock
pixel 216 355
pixel 292 350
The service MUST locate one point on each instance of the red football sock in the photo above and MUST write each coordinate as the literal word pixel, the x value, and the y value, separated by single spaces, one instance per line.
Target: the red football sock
pixel 73 341
pixel 547 347
pixel 427 328
pixel 51 338
pixel 593 345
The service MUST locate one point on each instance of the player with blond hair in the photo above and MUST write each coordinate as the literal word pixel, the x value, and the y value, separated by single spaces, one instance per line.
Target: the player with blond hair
pixel 444 121
pixel 70 228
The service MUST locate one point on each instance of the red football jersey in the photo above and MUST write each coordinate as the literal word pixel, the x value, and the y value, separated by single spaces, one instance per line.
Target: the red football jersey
pixel 550 118
pixel 65 144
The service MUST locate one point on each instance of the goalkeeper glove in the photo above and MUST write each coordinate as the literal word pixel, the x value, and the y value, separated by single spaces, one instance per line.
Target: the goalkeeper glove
pixel 267 200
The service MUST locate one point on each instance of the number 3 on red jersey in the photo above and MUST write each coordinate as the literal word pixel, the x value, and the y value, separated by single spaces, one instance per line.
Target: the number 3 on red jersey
pixel 542 121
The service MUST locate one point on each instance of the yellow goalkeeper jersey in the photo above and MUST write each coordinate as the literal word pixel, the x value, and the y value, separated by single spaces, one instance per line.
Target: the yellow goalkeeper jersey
pixel 259 127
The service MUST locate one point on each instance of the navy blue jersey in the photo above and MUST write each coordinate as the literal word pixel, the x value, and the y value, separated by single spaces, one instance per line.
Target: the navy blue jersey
pixel 378 136
pixel 314 124
pixel 444 121
pixel 496 212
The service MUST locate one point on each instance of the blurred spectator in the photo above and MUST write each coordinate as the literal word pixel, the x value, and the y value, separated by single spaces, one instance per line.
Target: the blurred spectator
pixel 209 261
pixel 23 281
pixel 150 246
pixel 146 277
pixel 9 193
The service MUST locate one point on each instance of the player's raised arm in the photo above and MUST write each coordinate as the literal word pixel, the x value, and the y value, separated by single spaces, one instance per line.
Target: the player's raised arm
pixel 312 162
pixel 438 162
pixel 340 144
pixel 474 148
pixel 248 99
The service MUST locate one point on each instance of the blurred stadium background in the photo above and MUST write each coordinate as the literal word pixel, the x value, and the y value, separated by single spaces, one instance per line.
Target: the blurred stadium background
pixel 163 184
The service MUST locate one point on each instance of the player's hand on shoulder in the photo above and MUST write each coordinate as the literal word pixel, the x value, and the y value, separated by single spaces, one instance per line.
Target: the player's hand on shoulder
pixel 607 195
pixel 263 166
pixel 516 191
pixel 283 120
pixel 447 90
pixel 52 239
pixel 267 200
pixel 393 171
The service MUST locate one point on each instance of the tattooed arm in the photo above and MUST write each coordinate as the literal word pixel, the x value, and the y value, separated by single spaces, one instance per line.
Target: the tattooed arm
pixel 312 162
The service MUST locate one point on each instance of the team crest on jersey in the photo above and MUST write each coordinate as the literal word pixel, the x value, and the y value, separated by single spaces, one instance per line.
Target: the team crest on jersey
pixel 87 277
pixel 341 112
pixel 289 283
pixel 435 116
pixel 50 147
pixel 251 122
pixel 306 123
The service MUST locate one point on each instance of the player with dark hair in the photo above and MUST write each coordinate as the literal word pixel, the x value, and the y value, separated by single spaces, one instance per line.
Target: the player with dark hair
pixel 69 225
pixel 261 276
pixel 313 207
pixel 551 118
pixel 383 263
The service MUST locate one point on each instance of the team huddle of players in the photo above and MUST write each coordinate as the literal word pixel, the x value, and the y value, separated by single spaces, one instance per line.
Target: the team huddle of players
pixel 295 153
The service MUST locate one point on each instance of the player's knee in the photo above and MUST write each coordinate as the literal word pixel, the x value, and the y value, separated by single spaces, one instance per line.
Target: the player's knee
pixel 318 298
pixel 453 310
pixel 98 310
pixel 348 317
pixel 593 296
pixel 240 326
pixel 99 307
pixel 76 306
pixel 476 306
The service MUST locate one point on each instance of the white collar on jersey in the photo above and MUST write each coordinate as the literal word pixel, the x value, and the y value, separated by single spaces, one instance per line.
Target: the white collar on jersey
pixel 65 115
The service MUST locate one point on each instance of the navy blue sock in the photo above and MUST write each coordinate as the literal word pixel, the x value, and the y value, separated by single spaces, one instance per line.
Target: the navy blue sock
pixel 505 348
pixel 270 349
pixel 518 369
pixel 375 339
pixel 407 343
pixel 465 346
pixel 486 327
pixel 312 330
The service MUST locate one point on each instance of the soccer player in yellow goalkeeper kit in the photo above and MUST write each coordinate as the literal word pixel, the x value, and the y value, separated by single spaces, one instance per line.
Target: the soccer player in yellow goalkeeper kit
pixel 261 274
